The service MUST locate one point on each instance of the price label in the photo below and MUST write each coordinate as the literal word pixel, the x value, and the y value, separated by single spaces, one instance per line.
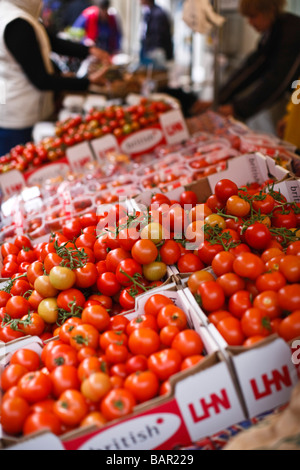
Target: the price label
pixel 105 145
pixel 12 183
pixel 174 127
pixel 79 155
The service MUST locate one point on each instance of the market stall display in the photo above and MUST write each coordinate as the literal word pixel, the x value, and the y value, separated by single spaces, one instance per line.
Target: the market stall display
pixel 134 258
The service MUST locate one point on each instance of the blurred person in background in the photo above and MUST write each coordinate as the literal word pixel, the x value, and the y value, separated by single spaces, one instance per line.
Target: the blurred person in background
pixel 288 127
pixel 156 34
pixel 264 78
pixel 28 73
pixel 101 25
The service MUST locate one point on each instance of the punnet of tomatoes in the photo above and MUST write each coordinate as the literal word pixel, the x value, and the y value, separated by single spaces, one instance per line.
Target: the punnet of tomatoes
pixel 97 368
pixel 252 245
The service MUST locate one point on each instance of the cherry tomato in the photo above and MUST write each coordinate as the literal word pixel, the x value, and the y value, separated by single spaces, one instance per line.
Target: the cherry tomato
pixel 165 363
pixel 117 404
pixel 144 385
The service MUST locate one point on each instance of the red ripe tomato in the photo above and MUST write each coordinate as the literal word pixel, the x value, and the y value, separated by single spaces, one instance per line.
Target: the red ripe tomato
pixel 97 316
pixel 108 284
pixel 224 189
pixel 86 276
pixel 254 322
pixel 257 236
pixel 289 266
pixel 143 320
pixel 35 386
pixel 239 302
pixel 207 251
pixel 248 265
pixel 165 363
pixel 27 358
pixel 188 343
pixel 231 283
pixel 211 295
pixel 289 327
pixel 71 407
pixel 189 262
pixel 144 385
pixel 61 354
pixel 63 378
pixel 170 252
pixel 17 306
pixel 289 297
pixel 42 421
pixel 84 335
pixel 222 263
pixel 263 203
pixel 143 341
pixel 155 302
pixel 188 198
pixel 72 228
pixel 171 315
pixel 117 403
pixel 11 376
pixel 126 269
pixel 268 302
pixel 284 219
pixel 14 412
pixel 231 330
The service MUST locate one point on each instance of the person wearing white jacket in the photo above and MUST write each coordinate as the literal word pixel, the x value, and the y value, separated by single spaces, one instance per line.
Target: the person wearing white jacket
pixel 27 77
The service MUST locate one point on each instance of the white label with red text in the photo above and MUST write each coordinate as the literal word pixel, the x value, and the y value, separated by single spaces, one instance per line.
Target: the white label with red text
pixel 174 127
pixel 105 145
pixel 12 182
pixel 79 155
pixel 213 405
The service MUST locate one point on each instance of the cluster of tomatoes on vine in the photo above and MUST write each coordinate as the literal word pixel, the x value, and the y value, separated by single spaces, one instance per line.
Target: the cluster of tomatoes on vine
pixel 253 287
pixel 98 368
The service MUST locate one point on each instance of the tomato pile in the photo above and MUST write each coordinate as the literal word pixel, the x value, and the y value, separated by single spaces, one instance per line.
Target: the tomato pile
pixel 115 120
pixel 98 368
pixel 252 245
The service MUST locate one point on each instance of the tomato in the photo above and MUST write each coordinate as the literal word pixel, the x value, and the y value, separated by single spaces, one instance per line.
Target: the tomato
pixel 224 189
pixel 155 302
pixel 72 228
pixel 112 337
pixel 257 236
pixel 171 315
pixel 289 297
pixel 143 341
pixel 191 361
pixel 144 251
pixel 197 277
pixel 127 297
pixel 214 203
pixel 27 358
pixel 239 302
pixel 17 306
pixel 144 385
pixel 35 386
pixel 61 355
pixel 108 284
pixel 144 320
pixel 154 271
pixel 96 386
pixel 211 296
pixel 188 343
pixel 14 412
pixel 63 378
pixel 62 278
pixel 248 265
pixel 86 240
pixel 27 255
pixel 284 219
pixel 268 302
pixel 254 322
pixel 153 231
pixel 127 237
pixel 126 270
pixel 118 323
pixel 48 310
pixel 231 330
pixel 34 270
pixel 11 375
pixel 8 248
pixel 222 263
pixel 117 404
pixel 51 260
pixel 289 327
pixel 231 283
pixel 114 257
pixel 273 280
pixel 116 353
pixel 94 418
pixel 9 268
pixel 20 287
pixel 263 203
pixel 170 252
pixel 207 251
pixel 167 334
pixel 97 316
pixel 71 407
pixel 237 206
pixel 44 287
pixel 165 363
pixel 188 198
pixel 100 249
pixel 90 365
pixel 86 276
pixel 189 263
pixel 293 248
pixel 289 266
pixel 215 317
pixel 136 363
pixel 42 421
pixel 66 299
pixel 84 335
pixel 215 220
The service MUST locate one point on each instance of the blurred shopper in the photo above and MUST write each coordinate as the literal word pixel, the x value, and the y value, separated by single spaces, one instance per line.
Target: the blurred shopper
pixel 156 34
pixel 288 127
pixel 266 74
pixel 27 71
pixel 73 9
pixel 101 25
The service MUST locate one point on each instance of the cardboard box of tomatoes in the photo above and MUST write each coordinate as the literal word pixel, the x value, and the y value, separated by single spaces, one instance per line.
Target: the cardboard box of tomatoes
pixel 203 401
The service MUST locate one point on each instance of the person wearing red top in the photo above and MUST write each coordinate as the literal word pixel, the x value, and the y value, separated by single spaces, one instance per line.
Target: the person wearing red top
pixel 101 25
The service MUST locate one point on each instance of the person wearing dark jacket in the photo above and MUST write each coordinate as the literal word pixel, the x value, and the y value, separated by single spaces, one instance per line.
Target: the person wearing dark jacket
pixel 267 73
pixel 156 32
